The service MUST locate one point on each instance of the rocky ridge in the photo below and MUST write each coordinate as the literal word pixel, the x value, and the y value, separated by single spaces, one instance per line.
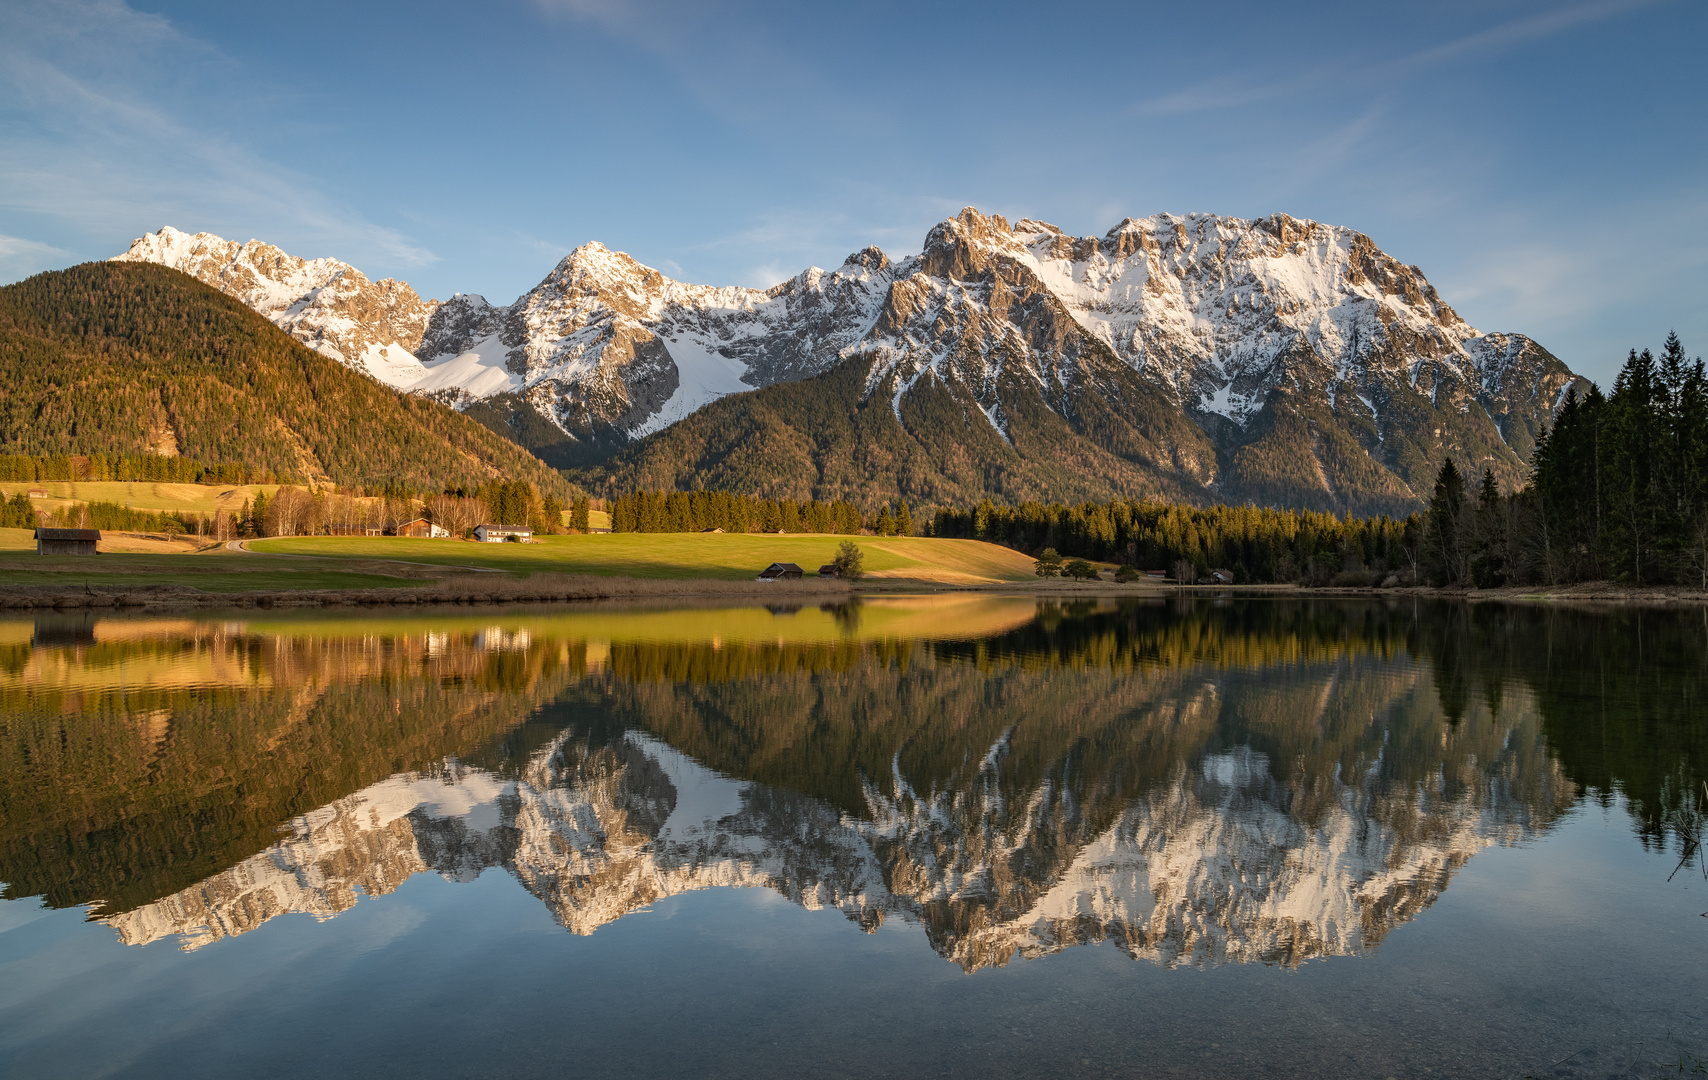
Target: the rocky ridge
pixel 328 305
pixel 1202 357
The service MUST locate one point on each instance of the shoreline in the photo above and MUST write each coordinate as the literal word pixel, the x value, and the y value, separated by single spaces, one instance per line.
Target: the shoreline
pixel 451 591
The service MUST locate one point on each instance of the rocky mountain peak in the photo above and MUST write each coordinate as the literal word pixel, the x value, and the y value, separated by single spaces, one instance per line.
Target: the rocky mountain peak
pixel 967 246
pixel 1277 359
pixel 328 305
pixel 869 259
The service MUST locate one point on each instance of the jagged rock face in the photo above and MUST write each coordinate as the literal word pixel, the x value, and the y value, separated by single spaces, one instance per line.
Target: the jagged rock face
pixel 610 350
pixel 1277 360
pixel 1255 325
pixel 372 326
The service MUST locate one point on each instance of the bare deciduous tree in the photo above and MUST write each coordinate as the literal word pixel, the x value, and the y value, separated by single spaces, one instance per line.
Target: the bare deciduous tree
pixel 462 515
pixel 1697 548
pixel 289 511
pixel 440 511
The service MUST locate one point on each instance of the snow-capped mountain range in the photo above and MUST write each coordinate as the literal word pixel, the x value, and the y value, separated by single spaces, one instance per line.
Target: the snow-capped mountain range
pixel 1249 331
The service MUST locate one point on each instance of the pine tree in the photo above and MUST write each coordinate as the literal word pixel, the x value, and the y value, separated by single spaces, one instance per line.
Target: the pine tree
pixel 1489 555
pixel 904 520
pixel 1444 539
pixel 1634 422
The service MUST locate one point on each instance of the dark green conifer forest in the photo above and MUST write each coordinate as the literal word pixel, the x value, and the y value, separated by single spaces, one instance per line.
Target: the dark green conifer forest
pixel 122 360
pixel 1619 486
pixel 702 511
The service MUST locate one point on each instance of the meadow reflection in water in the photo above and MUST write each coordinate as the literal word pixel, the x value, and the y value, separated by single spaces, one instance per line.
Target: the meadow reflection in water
pixel 1195 782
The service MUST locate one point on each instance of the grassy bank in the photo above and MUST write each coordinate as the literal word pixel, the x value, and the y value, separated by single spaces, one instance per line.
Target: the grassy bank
pixel 713 556
pixel 322 571
pixel 214 570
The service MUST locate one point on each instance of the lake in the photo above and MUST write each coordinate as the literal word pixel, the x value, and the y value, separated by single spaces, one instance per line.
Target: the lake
pixel 952 835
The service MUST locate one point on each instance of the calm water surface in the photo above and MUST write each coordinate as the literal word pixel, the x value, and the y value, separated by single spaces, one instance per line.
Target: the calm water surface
pixel 935 836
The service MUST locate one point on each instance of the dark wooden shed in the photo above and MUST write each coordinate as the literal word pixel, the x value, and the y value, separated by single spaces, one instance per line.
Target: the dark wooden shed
pixel 779 571
pixel 66 541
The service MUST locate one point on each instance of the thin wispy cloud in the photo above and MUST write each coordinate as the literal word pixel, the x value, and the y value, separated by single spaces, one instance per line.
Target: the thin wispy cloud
pixel 19 258
pixel 726 54
pixel 94 144
pixel 1541 282
pixel 1217 94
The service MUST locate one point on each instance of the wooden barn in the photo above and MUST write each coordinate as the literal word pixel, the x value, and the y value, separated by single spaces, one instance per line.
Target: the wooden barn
pixel 421 528
pixel 66 541
pixel 827 570
pixel 780 571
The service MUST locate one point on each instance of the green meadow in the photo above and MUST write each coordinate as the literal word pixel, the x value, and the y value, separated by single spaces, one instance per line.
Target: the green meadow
pixel 717 556
pixel 217 570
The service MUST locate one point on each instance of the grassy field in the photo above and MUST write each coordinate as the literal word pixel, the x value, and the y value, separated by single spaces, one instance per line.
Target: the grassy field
pixel 12 540
pixel 141 494
pixel 217 570
pixel 729 557
pixel 313 563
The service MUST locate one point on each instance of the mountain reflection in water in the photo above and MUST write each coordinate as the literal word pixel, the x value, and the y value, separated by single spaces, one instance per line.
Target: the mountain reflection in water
pixel 1195 783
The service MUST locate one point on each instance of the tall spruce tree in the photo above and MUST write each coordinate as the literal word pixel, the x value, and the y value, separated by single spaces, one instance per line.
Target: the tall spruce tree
pixel 1444 535
pixel 1634 426
pixel 1489 554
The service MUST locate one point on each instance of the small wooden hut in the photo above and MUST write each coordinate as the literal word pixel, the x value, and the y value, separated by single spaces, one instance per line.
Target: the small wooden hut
pixel 67 541
pixel 781 571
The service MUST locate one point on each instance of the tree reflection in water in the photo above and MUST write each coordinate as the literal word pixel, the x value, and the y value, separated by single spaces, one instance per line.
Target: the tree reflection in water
pixel 1197 783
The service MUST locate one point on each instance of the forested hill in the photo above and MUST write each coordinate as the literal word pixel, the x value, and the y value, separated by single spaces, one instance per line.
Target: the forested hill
pixel 118 358
pixel 828 438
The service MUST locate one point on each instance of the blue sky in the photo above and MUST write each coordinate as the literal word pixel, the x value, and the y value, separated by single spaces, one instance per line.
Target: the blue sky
pixel 1545 164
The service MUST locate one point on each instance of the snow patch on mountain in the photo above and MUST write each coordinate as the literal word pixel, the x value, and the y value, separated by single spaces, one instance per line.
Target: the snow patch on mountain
pixel 479 371
pixel 703 375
